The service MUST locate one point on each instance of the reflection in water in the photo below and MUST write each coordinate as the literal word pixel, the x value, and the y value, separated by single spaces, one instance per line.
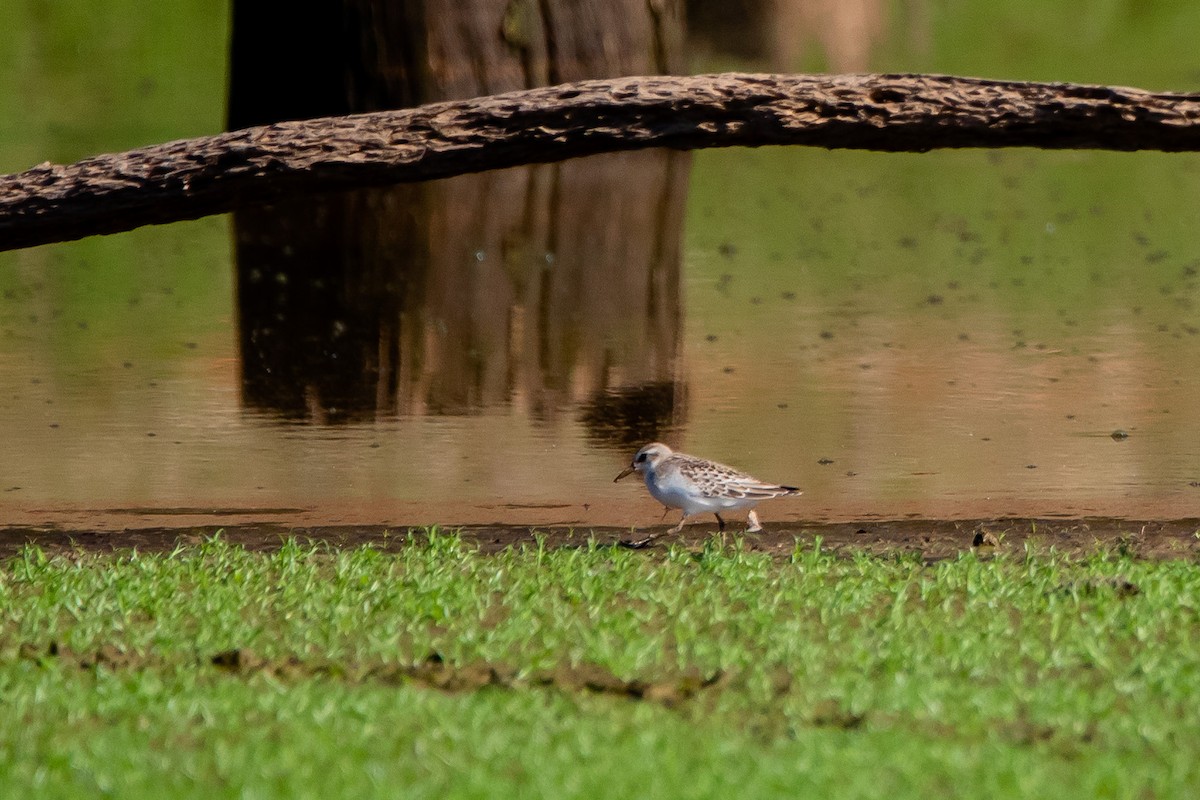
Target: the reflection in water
pixel 545 285
pixel 536 287
pixel 318 308
pixel 627 417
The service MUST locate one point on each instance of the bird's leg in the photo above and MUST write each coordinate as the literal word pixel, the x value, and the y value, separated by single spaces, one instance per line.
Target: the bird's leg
pixel 679 527
pixel 666 510
pixel 754 526
pixel 720 522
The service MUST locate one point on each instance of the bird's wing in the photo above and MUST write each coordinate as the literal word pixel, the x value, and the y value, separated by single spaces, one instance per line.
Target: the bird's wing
pixel 718 480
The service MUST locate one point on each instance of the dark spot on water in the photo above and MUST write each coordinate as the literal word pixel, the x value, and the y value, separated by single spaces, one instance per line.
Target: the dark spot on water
pixel 824 461
pixel 727 249
pixel 934 299
pixel 1119 435
pixel 781 405
pixel 1031 466
pixel 727 370
pixel 53 424
pixel 826 334
pixel 190 345
pixel 712 337
pixel 788 295
pixel 964 337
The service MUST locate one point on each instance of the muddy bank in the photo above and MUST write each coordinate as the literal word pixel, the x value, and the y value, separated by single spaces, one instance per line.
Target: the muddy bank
pixel 930 538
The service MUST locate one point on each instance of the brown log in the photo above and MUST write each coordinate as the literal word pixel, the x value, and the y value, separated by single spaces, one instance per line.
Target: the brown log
pixel 915 113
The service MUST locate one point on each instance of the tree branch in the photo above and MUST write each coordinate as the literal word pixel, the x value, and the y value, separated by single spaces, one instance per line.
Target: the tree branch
pixel 213 174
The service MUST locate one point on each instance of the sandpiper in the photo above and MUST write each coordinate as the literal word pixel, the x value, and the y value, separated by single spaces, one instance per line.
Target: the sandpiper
pixel 696 485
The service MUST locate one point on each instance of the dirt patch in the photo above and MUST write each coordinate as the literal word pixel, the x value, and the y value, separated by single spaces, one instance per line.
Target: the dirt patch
pixel 433 673
pixel 929 539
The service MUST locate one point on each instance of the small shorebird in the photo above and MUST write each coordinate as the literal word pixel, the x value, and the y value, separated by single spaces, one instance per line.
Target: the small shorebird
pixel 696 485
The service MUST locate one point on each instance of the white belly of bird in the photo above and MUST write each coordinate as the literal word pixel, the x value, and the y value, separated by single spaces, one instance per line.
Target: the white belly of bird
pixel 681 494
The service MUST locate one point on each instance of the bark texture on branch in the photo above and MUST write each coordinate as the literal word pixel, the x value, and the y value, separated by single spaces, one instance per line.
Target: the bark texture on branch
pixel 915 113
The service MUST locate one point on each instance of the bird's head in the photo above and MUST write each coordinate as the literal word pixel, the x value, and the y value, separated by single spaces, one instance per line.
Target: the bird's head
pixel 647 458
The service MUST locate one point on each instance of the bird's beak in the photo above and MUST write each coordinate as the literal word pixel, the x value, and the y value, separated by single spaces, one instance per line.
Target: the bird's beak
pixel 624 472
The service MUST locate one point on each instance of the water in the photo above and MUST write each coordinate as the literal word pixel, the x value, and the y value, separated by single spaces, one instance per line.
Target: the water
pixel 951 335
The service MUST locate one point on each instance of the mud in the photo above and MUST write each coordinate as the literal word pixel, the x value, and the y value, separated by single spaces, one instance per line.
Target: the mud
pixel 931 540
pixel 668 689
pixel 679 690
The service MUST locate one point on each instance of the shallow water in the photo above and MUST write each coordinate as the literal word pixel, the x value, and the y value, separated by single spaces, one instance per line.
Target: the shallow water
pixel 952 335
pixel 893 358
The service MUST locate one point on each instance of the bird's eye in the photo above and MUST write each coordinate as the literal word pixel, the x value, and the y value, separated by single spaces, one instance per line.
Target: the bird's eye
pixel 641 457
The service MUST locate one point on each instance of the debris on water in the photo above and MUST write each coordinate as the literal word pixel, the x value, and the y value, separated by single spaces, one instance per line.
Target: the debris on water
pixel 824 461
pixel 1119 435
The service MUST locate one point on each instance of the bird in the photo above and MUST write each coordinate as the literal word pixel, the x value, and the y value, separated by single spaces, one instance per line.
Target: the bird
pixel 696 485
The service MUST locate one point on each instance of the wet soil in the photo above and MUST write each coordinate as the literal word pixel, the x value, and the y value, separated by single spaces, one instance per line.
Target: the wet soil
pixel 672 689
pixel 929 539
pixel 434 672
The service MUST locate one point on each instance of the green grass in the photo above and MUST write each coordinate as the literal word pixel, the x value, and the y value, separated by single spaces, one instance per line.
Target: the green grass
pixel 1027 674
